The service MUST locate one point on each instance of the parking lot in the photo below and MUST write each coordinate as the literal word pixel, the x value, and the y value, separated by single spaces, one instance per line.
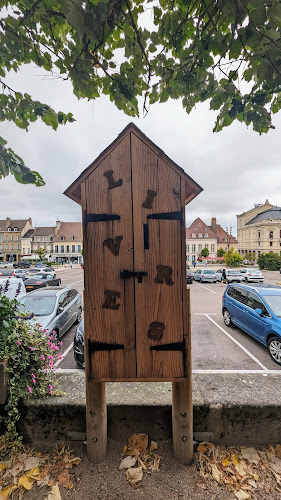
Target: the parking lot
pixel 215 348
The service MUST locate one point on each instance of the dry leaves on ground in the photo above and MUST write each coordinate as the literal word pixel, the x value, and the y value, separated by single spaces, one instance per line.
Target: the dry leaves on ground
pixel 241 469
pixel 139 458
pixel 29 469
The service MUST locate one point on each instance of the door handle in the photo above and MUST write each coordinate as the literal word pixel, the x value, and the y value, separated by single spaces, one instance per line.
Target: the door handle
pixel 126 274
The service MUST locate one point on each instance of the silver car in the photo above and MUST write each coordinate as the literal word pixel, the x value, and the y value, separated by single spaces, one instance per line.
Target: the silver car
pixel 205 275
pixel 252 275
pixel 55 308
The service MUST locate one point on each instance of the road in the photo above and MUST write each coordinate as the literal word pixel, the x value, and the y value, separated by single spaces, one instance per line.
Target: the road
pixel 215 348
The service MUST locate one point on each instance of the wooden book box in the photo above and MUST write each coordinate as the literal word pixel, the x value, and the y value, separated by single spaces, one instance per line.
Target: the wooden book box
pixel 136 304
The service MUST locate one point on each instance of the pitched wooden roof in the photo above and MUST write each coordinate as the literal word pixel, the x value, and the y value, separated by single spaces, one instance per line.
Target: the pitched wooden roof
pixel 192 189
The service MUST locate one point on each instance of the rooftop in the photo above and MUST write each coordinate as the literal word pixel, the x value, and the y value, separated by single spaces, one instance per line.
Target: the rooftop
pixel 270 214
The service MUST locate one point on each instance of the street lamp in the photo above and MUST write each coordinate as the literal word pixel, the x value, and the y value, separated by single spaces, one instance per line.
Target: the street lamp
pixel 227 239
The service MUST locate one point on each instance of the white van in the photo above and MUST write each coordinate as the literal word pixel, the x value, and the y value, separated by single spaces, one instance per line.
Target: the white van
pixel 13 288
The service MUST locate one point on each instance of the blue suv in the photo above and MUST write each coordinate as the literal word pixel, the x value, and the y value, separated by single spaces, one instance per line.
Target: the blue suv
pixel 257 311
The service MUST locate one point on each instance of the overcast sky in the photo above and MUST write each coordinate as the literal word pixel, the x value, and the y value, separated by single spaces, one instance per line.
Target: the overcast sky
pixel 236 167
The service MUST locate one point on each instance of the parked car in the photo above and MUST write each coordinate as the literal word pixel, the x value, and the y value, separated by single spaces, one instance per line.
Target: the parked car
pixel 21 273
pixel 78 344
pixel 12 288
pixel 189 276
pixel 205 275
pixel 7 273
pixel 257 311
pixel 56 309
pixel 252 275
pixel 36 270
pixel 21 264
pixel 232 275
pixel 41 280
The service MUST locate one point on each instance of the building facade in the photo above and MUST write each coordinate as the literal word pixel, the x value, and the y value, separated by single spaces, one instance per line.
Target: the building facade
pixel 43 237
pixel 67 244
pixel 11 232
pixel 26 244
pixel 198 236
pixel 259 230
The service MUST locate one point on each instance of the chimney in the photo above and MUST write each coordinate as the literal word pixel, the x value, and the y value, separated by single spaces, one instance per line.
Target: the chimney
pixel 214 224
pixel 8 222
pixel 58 225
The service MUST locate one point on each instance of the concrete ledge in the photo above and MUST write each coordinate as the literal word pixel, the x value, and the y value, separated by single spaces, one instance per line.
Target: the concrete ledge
pixel 229 409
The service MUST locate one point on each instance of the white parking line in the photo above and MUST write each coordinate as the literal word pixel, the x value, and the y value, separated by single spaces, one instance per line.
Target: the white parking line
pixel 64 354
pixel 209 290
pixel 238 372
pixel 238 343
pixel 204 314
pixel 70 284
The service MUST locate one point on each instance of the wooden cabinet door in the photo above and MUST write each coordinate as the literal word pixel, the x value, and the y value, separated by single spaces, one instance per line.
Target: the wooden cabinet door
pixel 108 248
pixel 158 251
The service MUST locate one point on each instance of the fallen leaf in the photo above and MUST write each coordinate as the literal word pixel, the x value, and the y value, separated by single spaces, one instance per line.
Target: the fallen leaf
pixel 252 483
pixel 235 459
pixel 31 463
pixel 278 450
pixel 202 448
pixel 134 476
pixel 6 492
pixel 242 495
pixel 153 446
pixel 225 462
pixel 216 473
pixel 138 442
pixel 74 461
pixel 156 462
pixel 251 455
pixel 127 462
pixel 54 494
pixel 241 468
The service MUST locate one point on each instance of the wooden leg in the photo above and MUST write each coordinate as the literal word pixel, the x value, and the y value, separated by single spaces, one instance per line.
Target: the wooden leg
pixel 182 421
pixel 96 420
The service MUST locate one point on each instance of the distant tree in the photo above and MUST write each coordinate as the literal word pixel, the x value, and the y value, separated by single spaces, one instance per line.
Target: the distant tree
pixel 193 51
pixel 205 252
pixel 250 256
pixel 233 259
pixel 41 253
pixel 270 261
pixel 220 252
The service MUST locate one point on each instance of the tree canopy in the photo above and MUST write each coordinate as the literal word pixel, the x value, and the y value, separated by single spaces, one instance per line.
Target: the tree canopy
pixel 141 52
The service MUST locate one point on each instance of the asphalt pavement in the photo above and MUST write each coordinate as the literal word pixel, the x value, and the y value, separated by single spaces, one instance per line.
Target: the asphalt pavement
pixel 215 348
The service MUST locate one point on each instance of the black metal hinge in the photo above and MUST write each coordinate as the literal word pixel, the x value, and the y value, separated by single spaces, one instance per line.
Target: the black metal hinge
pixel 167 215
pixel 99 217
pixel 103 346
pixel 176 346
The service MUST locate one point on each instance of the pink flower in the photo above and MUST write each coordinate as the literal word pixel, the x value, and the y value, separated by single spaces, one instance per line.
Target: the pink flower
pixel 61 344
pixel 31 348
pixel 50 356
pixel 50 389
pixel 51 363
pixel 18 342
pixel 43 357
pixel 59 356
pixel 29 389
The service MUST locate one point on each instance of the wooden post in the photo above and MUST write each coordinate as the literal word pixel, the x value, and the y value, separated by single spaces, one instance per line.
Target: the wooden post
pixel 96 420
pixel 182 409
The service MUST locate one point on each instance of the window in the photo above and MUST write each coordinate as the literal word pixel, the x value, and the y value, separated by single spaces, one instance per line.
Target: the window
pixel 193 248
pixel 18 238
pixel 1 239
pixel 1 248
pixel 28 250
pixel 225 248
pixel 206 229
pixel 12 238
pixel 199 248
pixel 271 234
pixel 187 248
pixel 38 239
pixel 270 243
pixel 206 235
pixel 212 248
pixel 44 238
pixel 18 247
pixel 13 247
pixel 199 235
pixel 62 248
pixel 62 238
pixel 279 236
pixel 67 248
pixel 207 246
pixel 7 247
pixel 193 235
pixel 56 249
pixel 79 248
pixel 23 250
pixel 254 302
pixel 73 238
pixel 6 238
pixel 73 249
pixel 195 229
pixel 259 234
pixel 9 229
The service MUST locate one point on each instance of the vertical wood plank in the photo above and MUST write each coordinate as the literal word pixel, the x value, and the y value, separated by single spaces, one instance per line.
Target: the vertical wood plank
pixel 157 302
pixel 182 421
pixel 96 421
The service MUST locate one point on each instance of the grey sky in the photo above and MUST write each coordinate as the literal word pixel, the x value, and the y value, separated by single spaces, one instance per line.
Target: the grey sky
pixel 236 167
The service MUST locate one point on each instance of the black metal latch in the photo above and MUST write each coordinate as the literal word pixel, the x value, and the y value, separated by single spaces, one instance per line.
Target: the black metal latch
pixel 125 274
